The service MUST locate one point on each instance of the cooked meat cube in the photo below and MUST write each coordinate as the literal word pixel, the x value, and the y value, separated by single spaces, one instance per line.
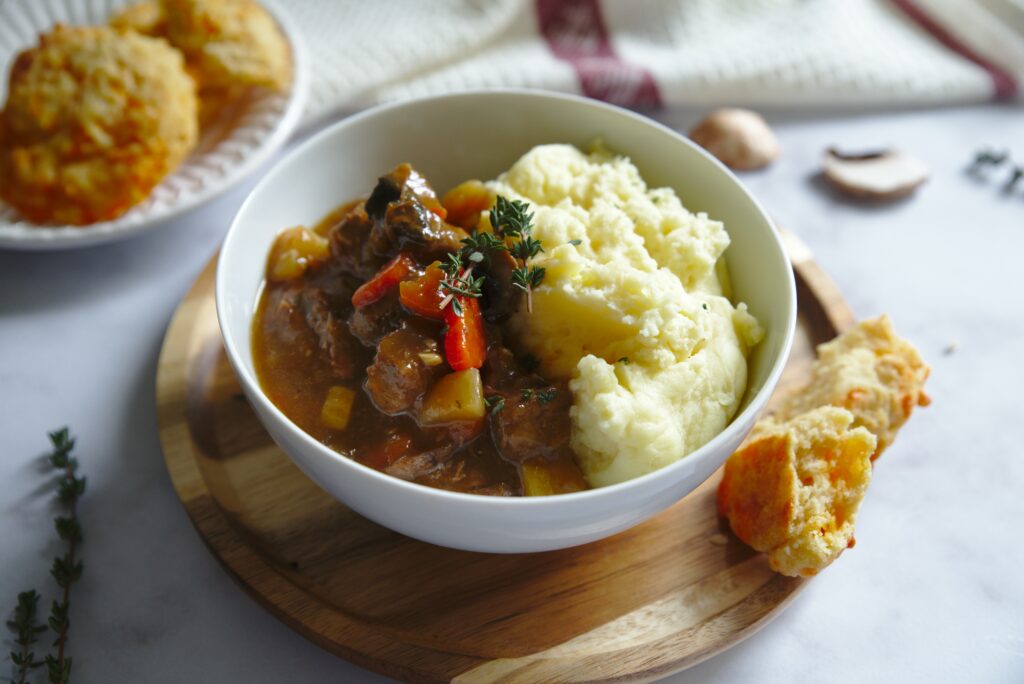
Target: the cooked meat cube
pixel 533 423
pixel 500 371
pixel 372 322
pixel 349 244
pixel 410 222
pixel 503 371
pixel 402 182
pixel 461 474
pixel 401 371
pixel 405 211
pixel 415 465
pixel 333 336
pixel 501 298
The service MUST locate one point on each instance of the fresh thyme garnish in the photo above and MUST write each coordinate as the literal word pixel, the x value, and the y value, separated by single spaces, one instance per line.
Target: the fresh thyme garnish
pixel 511 220
pixel 459 281
pixel 577 242
pixel 66 571
pixel 704 305
pixel 624 359
pixel 546 396
pixel 495 402
pixel 512 224
pixel 527 394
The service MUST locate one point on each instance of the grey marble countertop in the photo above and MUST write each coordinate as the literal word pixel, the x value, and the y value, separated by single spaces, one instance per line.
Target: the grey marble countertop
pixel 932 592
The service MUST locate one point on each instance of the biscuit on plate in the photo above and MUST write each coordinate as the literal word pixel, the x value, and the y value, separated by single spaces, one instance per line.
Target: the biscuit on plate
pixel 793 490
pixel 231 43
pixel 94 119
pixel 870 371
pixel 147 18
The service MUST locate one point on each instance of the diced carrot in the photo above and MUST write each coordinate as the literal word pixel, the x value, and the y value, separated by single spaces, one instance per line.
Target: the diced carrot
pixel 423 296
pixel 387 278
pixel 466 201
pixel 465 345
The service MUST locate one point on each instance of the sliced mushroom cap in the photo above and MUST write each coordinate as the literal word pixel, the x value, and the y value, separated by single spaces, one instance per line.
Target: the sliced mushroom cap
pixel 882 175
pixel 739 138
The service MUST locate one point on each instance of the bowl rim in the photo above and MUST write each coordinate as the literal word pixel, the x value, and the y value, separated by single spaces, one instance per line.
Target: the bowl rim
pixel 754 407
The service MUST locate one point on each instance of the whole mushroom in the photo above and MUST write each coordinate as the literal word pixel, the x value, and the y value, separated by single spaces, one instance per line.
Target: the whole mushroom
pixel 739 138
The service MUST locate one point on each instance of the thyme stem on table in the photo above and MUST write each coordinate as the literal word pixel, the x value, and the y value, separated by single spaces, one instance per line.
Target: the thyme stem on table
pixel 25 629
pixel 66 570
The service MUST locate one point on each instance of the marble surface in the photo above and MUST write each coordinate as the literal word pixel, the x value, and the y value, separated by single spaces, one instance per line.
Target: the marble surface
pixel 932 592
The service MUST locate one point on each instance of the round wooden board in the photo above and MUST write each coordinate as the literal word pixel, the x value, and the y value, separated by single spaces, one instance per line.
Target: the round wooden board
pixel 645 603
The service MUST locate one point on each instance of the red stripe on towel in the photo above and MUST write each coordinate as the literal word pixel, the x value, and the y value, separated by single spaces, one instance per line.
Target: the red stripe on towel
pixel 576 32
pixel 1004 82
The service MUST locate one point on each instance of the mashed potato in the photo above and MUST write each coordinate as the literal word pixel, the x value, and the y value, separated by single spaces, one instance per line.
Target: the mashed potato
pixel 631 311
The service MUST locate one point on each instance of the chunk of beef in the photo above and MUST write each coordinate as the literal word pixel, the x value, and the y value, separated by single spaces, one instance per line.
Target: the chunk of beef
pixel 533 423
pixel 350 251
pixel 412 224
pixel 501 298
pixel 419 464
pixel 404 211
pixel 332 334
pixel 402 182
pixel 458 473
pixel 501 370
pixel 402 370
pixel 372 322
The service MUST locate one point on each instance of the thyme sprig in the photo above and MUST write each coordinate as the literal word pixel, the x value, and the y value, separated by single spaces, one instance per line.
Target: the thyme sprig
pixel 459 280
pixel 512 223
pixel 26 631
pixel 66 570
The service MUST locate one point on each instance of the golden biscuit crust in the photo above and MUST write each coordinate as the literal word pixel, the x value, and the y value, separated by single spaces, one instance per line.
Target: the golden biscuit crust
pixel 147 18
pixel 95 118
pixel 232 43
pixel 793 491
pixel 870 371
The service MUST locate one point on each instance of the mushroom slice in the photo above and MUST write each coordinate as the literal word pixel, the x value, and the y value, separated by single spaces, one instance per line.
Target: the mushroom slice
pixel 740 138
pixel 882 175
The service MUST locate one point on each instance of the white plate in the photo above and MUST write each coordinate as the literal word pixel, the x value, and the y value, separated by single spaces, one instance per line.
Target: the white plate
pixel 229 149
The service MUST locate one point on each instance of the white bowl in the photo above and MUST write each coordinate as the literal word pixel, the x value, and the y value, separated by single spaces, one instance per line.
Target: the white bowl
pixel 478 135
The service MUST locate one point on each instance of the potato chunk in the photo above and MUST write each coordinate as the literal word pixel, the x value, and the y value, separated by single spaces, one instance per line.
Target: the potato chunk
pixel 295 250
pixel 543 478
pixel 337 409
pixel 455 397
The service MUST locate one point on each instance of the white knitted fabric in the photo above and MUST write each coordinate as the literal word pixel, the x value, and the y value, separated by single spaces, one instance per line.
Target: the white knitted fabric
pixel 705 52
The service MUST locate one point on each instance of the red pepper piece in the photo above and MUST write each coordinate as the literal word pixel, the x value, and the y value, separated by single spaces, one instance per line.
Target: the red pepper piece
pixel 465 346
pixel 423 295
pixel 387 278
